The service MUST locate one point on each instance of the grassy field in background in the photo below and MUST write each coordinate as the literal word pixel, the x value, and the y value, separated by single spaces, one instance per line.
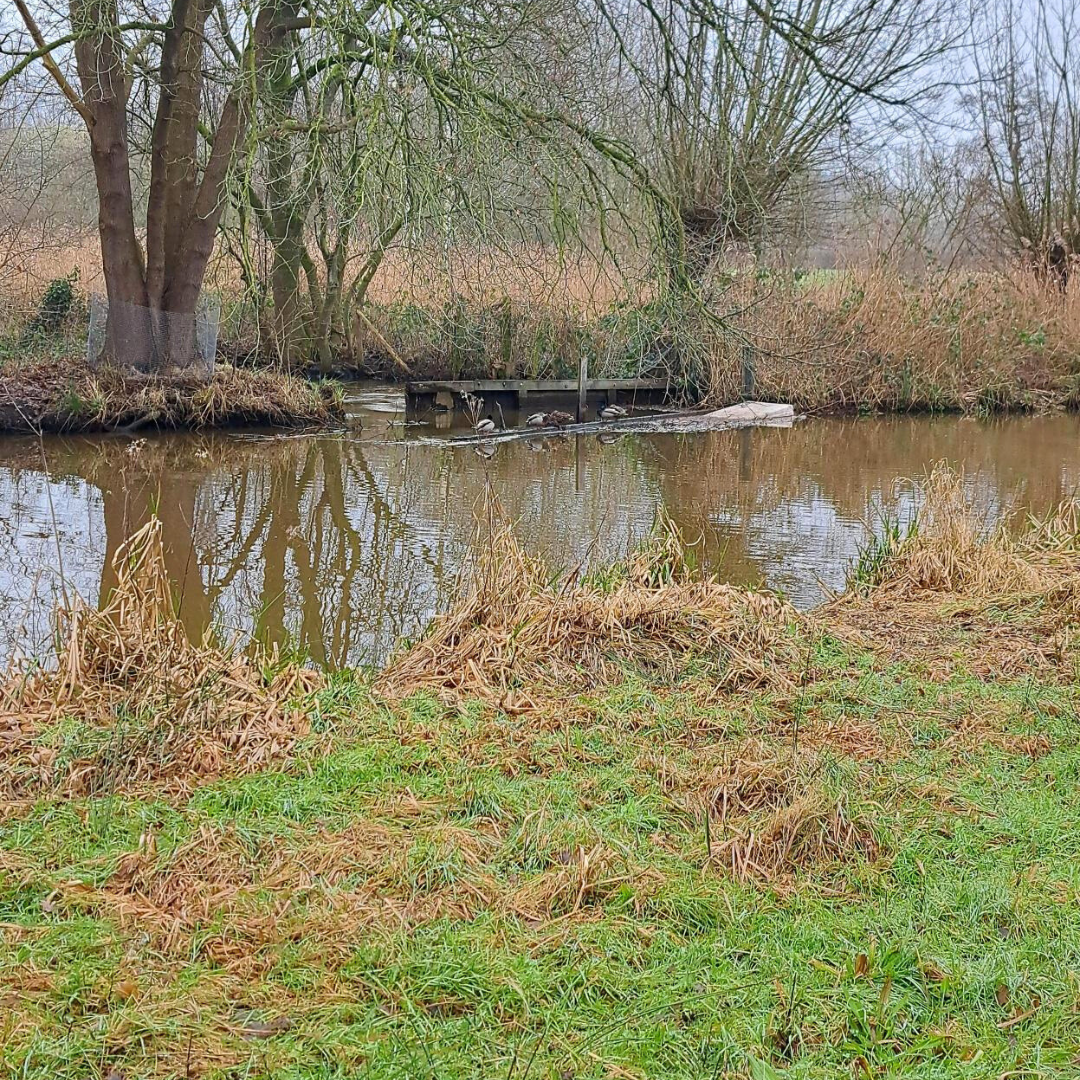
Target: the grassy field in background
pixel 860 860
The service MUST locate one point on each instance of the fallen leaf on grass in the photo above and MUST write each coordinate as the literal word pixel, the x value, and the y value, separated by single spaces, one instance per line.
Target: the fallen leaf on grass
pixel 256 1028
pixel 932 972
pixel 1019 1017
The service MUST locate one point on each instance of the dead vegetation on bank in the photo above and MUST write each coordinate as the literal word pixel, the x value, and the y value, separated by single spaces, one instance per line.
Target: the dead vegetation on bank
pixel 70 396
pixel 878 340
pixel 132 700
pixel 334 886
pixel 1003 597
pixel 519 634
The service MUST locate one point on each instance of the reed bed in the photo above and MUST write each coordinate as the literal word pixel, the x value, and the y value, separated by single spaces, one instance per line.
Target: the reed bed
pixel 862 337
pixel 132 700
pixel 874 339
pixel 518 635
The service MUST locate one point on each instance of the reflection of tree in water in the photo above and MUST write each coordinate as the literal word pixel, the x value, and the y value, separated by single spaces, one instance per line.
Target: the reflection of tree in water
pixel 343 545
pixel 300 536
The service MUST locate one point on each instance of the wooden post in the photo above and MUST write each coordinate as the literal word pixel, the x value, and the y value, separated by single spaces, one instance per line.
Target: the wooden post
pixel 582 384
pixel 749 375
pixel 507 317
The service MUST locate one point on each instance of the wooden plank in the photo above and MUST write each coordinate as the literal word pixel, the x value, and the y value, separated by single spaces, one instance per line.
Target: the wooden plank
pixel 532 386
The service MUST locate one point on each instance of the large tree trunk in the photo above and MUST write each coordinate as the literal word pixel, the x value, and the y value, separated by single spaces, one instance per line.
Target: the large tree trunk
pixel 101 73
pixel 289 323
pixel 282 219
pixel 152 303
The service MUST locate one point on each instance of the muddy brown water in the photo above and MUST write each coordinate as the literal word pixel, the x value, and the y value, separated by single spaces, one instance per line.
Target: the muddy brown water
pixel 343 542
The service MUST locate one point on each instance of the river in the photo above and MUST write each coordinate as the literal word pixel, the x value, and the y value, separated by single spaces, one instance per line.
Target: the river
pixel 343 542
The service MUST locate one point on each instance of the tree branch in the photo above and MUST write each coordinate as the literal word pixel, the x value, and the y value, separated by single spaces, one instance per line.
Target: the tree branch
pixel 45 52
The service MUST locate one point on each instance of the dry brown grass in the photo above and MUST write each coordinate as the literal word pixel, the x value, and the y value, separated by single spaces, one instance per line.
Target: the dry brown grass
pixel 869 338
pixel 811 831
pixel 873 339
pixel 152 706
pixel 734 780
pixel 518 636
pixel 769 816
pixel 956 550
pixel 1001 599
pixel 69 396
pixel 527 274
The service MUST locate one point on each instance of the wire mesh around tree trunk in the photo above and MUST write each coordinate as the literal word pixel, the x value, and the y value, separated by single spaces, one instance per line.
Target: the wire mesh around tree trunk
pixel 153 341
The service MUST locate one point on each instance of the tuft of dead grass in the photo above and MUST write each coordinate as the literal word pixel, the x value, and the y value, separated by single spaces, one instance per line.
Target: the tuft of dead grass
pixel 731 781
pixel 518 635
pixel 952 549
pixel 584 878
pixel 1004 598
pixel 812 831
pixel 51 395
pixel 769 817
pixel 151 705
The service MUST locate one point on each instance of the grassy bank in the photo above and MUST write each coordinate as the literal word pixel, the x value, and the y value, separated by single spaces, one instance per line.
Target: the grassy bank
pixel 636 826
pixel 56 394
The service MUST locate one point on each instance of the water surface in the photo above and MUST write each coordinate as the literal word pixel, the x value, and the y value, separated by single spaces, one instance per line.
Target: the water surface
pixel 344 541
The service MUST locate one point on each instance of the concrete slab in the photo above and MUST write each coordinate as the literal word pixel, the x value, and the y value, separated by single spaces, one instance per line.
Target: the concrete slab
pixel 754 412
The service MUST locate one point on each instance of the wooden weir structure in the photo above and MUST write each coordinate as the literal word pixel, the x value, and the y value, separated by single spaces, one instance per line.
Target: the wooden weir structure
pixel 429 395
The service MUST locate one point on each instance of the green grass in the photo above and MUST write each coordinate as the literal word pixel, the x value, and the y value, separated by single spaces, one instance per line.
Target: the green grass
pixel 955 952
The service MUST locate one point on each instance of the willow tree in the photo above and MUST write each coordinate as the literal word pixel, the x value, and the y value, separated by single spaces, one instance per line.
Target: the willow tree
pixel 336 102
pixel 414 124
pixel 741 106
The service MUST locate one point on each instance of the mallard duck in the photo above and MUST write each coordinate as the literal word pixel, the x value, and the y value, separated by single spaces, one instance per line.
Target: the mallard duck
pixel 485 426
pixel 610 412
pixel 538 419
pixel 558 419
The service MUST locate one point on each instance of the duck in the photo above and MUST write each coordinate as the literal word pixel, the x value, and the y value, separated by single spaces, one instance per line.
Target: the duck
pixel 558 419
pixel 611 412
pixel 538 419
pixel 485 426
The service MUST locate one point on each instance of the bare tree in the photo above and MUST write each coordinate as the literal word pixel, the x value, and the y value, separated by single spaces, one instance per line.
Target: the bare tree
pixel 1027 108
pixel 744 104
